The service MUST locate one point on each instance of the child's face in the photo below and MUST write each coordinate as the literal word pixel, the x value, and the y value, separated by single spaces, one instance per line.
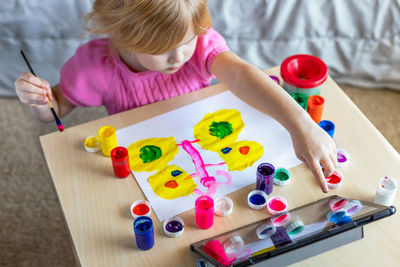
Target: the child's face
pixel 170 61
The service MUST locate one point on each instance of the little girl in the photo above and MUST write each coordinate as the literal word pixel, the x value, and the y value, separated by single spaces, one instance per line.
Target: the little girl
pixel 160 49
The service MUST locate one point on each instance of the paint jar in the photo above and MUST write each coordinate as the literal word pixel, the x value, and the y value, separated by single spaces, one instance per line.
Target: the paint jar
pixel 144 232
pixel 386 191
pixel 328 126
pixel 265 177
pixel 108 139
pixel 120 161
pixel 204 208
pixel 315 107
pixel 303 76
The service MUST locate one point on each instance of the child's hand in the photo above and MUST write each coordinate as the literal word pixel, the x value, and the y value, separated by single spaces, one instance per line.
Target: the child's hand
pixel 315 147
pixel 32 90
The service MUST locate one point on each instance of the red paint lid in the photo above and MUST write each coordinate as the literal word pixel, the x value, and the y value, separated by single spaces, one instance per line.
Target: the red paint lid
pixel 304 71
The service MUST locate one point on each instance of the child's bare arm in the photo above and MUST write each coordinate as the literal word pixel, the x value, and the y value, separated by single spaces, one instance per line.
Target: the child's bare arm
pixel 35 92
pixel 312 145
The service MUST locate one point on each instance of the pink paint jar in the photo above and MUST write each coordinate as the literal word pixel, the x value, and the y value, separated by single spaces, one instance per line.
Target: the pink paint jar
pixel 204 208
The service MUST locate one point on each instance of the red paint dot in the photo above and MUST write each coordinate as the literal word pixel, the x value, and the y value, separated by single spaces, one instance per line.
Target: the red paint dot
pixel 244 150
pixel 334 179
pixel 171 184
pixel 140 209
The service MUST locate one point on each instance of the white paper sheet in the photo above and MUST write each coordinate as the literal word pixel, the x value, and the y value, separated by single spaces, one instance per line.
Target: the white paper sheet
pixel 179 123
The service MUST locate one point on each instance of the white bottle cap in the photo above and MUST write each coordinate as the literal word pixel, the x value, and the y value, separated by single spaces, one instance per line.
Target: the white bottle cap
pixel 265 230
pixel 140 202
pixel 282 176
pixel 353 207
pixel 337 203
pixel 295 228
pixel 92 143
pixel 335 180
pixel 280 219
pixel 233 244
pixel 257 205
pixel 277 205
pixel 343 158
pixel 178 224
pixel 223 206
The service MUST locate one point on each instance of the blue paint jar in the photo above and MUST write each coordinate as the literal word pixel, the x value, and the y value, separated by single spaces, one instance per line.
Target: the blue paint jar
pixel 144 232
pixel 328 126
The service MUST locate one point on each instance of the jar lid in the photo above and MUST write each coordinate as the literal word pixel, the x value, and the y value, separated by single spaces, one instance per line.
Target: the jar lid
pixel 223 206
pixel 343 158
pixel 265 230
pixel 353 207
pixel 140 208
pixel 280 219
pixel 282 176
pixel 295 228
pixel 335 180
pixel 173 227
pixel 257 199
pixel 337 203
pixel 233 244
pixel 277 205
pixel 92 143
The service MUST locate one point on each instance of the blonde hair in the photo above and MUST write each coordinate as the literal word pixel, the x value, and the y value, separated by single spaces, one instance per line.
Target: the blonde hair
pixel 148 26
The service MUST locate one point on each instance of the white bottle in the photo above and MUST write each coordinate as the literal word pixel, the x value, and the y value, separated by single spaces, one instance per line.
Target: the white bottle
pixel 386 191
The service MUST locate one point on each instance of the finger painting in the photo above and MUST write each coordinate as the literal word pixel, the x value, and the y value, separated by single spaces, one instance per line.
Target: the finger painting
pixel 211 147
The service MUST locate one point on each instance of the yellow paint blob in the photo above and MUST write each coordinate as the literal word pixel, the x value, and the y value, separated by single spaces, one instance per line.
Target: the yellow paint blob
pixel 224 116
pixel 243 154
pixel 165 148
pixel 172 182
pixel 92 141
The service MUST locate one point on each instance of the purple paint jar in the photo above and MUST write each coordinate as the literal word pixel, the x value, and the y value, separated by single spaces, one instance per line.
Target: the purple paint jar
pixel 265 177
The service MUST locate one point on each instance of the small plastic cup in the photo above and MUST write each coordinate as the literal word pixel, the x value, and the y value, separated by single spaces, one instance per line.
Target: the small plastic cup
pixel 108 139
pixel 204 208
pixel 303 76
pixel 328 126
pixel 265 177
pixel 144 232
pixel 315 107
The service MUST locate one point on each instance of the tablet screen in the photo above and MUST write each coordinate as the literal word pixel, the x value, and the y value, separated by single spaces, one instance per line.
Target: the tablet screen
pixel 280 233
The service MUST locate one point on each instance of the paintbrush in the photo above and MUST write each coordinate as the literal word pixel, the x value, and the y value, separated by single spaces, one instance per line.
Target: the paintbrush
pixel 59 124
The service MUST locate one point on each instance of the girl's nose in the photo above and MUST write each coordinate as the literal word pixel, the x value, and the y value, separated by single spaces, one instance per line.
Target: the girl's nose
pixel 176 56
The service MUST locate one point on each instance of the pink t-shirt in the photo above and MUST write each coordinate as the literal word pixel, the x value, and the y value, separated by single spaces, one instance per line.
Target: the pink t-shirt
pixel 94 76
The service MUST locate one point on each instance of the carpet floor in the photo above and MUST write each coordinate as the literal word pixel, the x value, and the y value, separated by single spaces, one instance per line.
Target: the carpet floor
pixel 32 227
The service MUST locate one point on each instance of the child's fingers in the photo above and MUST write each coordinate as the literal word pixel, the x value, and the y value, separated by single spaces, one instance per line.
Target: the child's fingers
pixel 319 175
pixel 47 88
pixel 27 87
pixel 34 99
pixel 328 166
pixel 30 78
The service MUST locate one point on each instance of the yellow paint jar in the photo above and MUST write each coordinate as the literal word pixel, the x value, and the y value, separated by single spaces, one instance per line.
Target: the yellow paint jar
pixel 108 139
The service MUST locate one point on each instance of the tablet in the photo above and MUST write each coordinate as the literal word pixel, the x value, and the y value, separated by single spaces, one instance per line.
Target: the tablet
pixel 288 231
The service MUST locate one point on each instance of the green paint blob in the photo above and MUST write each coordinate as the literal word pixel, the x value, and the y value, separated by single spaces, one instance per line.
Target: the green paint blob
pixel 296 230
pixel 282 174
pixel 150 153
pixel 221 129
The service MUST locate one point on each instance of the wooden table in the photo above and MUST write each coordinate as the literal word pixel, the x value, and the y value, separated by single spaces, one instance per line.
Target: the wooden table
pixel 96 203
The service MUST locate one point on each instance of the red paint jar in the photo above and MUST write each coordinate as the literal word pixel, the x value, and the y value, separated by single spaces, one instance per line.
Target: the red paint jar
pixel 120 161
